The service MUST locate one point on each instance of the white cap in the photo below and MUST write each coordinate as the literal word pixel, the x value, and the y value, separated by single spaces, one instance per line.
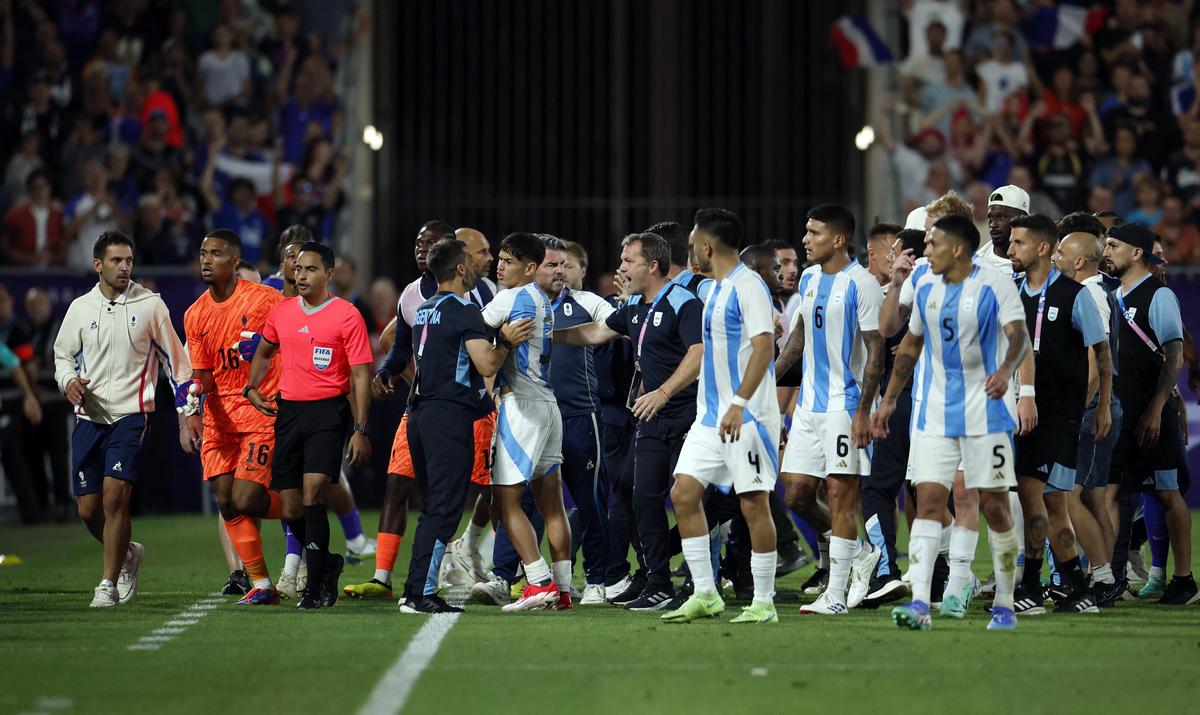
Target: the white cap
pixel 916 219
pixel 1010 196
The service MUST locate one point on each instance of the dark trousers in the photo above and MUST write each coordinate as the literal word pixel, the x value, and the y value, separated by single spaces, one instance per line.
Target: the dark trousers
pixel 584 476
pixel 618 460
pixel 889 464
pixel 656 450
pixel 50 441
pixel 13 433
pixel 440 440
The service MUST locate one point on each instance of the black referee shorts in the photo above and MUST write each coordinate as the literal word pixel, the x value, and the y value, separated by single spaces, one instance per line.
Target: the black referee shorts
pixel 310 437
pixel 1050 452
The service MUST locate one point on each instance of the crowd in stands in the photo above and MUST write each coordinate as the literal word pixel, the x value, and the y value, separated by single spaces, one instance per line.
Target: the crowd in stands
pixel 1103 118
pixel 165 120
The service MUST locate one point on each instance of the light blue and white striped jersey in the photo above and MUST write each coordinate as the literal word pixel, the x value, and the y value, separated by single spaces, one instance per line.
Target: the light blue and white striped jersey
pixel 836 308
pixel 737 309
pixel 527 368
pixel 963 326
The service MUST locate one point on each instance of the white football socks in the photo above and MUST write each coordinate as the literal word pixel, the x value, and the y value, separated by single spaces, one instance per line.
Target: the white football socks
pixel 537 573
pixel 823 549
pixel 923 540
pixel 841 556
pixel 471 537
pixel 562 575
pixel 1004 564
pixel 762 568
pixel 962 553
pixel 384 576
pixel 699 560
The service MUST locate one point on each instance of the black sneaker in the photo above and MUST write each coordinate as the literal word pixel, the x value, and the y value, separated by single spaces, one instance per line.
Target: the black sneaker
pixel 308 603
pixel 884 589
pixel 1181 591
pixel 654 598
pixel 1060 594
pixel 1106 594
pixel 791 558
pixel 636 585
pixel 1028 604
pixel 682 594
pixel 817 582
pixel 334 563
pixel 427 604
pixel 1079 602
pixel 237 585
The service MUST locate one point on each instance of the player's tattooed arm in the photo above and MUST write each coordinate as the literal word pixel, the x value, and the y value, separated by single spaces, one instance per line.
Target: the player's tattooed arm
pixel 873 370
pixel 1102 420
pixel 793 349
pixel 872 376
pixel 906 362
pixel 1150 423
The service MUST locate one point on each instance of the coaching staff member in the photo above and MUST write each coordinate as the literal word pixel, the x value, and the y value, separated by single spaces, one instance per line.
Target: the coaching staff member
pixel 454 352
pixel 325 353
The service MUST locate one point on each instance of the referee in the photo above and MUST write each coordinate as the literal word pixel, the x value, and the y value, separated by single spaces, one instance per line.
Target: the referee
pixel 454 352
pixel 325 354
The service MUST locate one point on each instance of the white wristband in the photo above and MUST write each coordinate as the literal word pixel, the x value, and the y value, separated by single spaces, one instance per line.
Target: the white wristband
pixel 738 401
pixel 1027 391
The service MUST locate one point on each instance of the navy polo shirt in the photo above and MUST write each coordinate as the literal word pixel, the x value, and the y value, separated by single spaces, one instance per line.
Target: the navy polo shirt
pixel 573 368
pixel 445 373
pixel 672 322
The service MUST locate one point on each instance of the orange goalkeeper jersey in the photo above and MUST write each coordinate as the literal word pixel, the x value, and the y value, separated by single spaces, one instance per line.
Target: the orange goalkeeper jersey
pixel 213 331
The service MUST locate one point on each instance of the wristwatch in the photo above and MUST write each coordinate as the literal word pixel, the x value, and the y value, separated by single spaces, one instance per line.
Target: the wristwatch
pixel 360 427
pixel 503 343
pixel 246 391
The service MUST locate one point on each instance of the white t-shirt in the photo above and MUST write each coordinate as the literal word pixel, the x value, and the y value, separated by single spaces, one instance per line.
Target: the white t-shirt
pixel 1000 80
pixel 924 12
pixel 223 78
pixel 79 256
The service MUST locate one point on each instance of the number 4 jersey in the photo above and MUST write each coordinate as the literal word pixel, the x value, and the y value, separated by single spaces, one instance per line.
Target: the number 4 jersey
pixel 212 332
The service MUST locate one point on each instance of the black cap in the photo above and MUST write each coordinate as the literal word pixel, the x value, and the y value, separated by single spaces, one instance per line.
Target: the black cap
pixel 1138 236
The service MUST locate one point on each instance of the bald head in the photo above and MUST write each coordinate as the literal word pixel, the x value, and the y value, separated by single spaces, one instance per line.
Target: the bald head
pixel 764 261
pixel 478 250
pixel 1078 255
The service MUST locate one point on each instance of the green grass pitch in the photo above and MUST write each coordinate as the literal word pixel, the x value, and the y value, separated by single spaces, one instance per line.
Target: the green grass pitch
pixel 59 656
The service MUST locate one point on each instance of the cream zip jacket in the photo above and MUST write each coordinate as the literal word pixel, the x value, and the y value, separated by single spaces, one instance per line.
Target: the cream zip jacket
pixel 118 346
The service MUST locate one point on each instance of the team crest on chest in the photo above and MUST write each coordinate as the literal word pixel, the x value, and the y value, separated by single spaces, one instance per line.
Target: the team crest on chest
pixel 657 318
pixel 1052 313
pixel 322 357
pixel 567 309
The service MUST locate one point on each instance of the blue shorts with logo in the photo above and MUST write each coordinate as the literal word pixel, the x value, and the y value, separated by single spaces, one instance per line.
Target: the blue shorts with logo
pixel 99 451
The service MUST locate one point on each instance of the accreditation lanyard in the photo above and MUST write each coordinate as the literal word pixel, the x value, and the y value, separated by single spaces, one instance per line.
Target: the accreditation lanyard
pixel 637 358
pixel 1137 329
pixel 1037 323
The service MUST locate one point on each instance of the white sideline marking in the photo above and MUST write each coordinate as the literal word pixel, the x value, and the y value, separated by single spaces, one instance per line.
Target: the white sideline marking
pixel 176 624
pixel 392 690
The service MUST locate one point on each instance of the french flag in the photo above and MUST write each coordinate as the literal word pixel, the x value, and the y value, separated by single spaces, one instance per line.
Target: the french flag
pixel 1062 26
pixel 857 43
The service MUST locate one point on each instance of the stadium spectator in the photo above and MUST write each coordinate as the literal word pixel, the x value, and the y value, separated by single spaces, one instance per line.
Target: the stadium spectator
pixel 1180 239
pixel 90 214
pixel 21 165
pixel 33 228
pixel 224 71
pixel 1118 170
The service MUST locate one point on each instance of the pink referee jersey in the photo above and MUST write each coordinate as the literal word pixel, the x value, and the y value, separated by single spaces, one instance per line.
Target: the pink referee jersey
pixel 318 346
